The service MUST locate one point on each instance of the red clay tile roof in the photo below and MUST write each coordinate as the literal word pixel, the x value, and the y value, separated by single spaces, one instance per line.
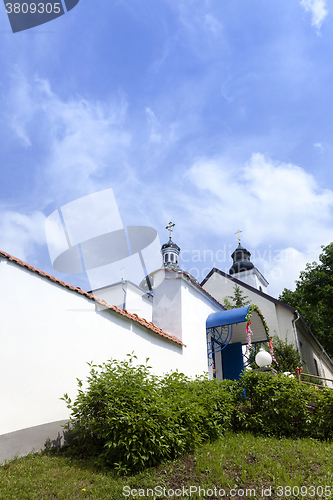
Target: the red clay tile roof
pixel 123 312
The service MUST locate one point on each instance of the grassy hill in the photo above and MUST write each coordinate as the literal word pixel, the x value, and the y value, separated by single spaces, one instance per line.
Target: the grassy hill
pixel 236 466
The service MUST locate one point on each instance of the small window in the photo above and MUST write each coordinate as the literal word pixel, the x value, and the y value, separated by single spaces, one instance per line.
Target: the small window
pixel 171 257
pixel 166 258
pixel 260 289
pixel 316 367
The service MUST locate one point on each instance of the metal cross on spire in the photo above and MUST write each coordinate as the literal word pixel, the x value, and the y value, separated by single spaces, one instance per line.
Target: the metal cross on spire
pixel 169 228
pixel 238 232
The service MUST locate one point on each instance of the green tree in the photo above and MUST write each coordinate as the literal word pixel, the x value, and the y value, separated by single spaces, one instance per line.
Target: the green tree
pixel 238 299
pixel 285 353
pixel 313 297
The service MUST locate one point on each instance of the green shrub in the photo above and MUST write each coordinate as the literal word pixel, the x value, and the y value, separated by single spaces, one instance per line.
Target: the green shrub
pixel 286 354
pixel 277 406
pixel 131 419
pixel 322 418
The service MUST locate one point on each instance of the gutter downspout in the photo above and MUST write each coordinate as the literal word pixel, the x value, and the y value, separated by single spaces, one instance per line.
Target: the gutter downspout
pixel 295 332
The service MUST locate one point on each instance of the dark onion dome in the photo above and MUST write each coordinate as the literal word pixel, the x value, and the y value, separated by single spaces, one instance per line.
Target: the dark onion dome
pixel 170 244
pixel 241 258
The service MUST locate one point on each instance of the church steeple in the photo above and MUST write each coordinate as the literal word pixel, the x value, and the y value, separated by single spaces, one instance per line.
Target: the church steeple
pixel 244 270
pixel 170 251
pixel 241 258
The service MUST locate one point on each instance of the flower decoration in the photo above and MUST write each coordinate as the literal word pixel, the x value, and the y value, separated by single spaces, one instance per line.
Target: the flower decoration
pixel 248 338
pixel 252 308
pixel 271 351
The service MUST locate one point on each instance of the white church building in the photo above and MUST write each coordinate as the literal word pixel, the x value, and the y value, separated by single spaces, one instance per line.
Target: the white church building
pixel 50 330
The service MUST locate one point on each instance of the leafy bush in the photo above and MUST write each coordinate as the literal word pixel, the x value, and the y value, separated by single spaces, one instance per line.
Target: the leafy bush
pixel 277 406
pixel 286 354
pixel 274 405
pixel 322 418
pixel 131 419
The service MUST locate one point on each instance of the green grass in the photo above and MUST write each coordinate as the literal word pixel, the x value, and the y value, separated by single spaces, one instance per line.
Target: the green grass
pixel 238 461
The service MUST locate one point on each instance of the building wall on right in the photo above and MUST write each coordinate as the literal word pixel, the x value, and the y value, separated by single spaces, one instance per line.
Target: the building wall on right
pixel 285 319
pixel 280 320
pixel 315 359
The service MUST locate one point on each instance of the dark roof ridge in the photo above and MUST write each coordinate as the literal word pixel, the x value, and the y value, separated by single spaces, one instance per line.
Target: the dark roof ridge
pixel 123 312
pixel 245 285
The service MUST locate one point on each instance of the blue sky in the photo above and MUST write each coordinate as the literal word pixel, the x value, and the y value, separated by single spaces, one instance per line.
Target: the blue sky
pixel 215 114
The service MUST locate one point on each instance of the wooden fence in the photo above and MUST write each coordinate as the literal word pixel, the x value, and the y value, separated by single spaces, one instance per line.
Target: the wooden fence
pixel 299 375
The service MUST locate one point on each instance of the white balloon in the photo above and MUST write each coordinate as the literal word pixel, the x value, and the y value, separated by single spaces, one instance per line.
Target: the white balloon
pixel 263 358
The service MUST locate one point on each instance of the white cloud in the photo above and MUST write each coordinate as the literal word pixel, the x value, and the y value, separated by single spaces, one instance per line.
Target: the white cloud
pixel 274 201
pixel 319 146
pixel 154 126
pixel 79 136
pixel 274 204
pixel 318 11
pixel 81 144
pixel 163 135
pixel 213 25
pixel 20 233
pixel 281 268
pixel 19 117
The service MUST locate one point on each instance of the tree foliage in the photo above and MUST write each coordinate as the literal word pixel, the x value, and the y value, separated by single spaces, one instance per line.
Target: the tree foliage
pixel 313 297
pixel 286 354
pixel 238 299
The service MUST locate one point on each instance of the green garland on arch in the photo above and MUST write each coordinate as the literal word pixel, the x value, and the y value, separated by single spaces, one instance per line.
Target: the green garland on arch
pixel 252 308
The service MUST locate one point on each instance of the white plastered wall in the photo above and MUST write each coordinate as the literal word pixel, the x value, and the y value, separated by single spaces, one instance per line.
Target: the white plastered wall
pixel 253 278
pixel 49 333
pixel 311 351
pixel 196 307
pixel 136 301
pixel 181 308
pixel 285 321
pixel 167 304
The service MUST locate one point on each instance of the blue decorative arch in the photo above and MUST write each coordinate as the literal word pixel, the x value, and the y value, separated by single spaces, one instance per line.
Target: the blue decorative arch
pixel 226 333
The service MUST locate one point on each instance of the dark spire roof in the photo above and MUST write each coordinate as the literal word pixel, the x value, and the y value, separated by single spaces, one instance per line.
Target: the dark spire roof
pixel 241 258
pixel 171 244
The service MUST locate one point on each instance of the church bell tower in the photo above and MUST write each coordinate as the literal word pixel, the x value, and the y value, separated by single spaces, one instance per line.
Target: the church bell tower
pixel 170 251
pixel 244 270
